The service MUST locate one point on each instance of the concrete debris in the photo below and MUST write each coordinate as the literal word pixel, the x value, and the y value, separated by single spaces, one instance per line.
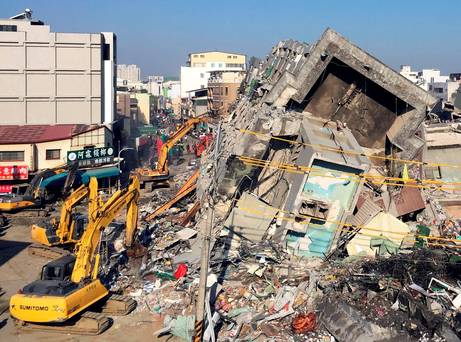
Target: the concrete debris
pixel 250 218
pixel 321 231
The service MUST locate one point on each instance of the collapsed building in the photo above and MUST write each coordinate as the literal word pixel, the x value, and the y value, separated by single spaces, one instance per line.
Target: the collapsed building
pixel 323 160
pixel 331 113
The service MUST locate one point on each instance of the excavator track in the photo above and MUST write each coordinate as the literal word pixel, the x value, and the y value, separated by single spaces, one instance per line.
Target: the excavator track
pixel 118 305
pixel 89 323
pixel 46 251
pixel 27 213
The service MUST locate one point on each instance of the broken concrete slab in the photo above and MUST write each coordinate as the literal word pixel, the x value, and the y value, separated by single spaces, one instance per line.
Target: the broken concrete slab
pixel 346 324
pixel 250 218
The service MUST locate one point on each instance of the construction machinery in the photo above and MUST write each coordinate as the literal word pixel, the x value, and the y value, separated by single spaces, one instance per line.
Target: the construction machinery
pixel 189 186
pixel 203 143
pixel 51 235
pixel 36 194
pixel 161 172
pixel 71 286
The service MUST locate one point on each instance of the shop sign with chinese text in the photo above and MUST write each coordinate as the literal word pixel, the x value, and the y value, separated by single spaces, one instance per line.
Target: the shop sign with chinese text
pixel 14 172
pixel 91 156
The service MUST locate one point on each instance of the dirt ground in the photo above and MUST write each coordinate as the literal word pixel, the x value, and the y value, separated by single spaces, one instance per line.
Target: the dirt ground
pixel 17 268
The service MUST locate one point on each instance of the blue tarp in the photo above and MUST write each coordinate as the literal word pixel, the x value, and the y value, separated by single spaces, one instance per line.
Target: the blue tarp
pixel 58 180
pixel 105 172
pixel 54 181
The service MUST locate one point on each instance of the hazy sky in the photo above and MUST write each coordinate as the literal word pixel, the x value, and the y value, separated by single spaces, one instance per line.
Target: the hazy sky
pixel 158 35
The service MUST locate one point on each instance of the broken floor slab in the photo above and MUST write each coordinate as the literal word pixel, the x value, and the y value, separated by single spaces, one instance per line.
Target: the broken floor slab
pixel 250 218
pixel 334 79
pixel 383 226
pixel 331 180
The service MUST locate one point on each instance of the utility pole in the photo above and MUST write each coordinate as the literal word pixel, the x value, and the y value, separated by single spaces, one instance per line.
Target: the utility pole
pixel 206 231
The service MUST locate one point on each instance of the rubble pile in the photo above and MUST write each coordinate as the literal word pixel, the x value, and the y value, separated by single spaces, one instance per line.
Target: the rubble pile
pixel 328 220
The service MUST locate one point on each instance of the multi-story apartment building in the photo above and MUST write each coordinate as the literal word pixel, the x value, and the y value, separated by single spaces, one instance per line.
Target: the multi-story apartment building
pixel 57 94
pixel 129 72
pixel 217 60
pixel 53 77
pixel 223 89
pixel 199 65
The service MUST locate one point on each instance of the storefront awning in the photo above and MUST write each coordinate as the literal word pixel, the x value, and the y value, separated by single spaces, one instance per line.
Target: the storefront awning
pixel 104 172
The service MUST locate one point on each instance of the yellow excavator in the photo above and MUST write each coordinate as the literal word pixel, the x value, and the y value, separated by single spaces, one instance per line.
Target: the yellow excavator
pixel 161 172
pixel 50 236
pixel 70 285
pixel 36 194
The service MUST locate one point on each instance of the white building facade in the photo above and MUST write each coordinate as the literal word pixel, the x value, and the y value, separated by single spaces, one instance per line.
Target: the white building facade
pixel 55 78
pixel 130 72
pixel 445 88
pixel 193 78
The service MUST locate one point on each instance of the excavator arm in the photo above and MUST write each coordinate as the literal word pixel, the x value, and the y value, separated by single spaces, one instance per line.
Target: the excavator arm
pixel 66 212
pixel 162 165
pixel 161 173
pixel 87 254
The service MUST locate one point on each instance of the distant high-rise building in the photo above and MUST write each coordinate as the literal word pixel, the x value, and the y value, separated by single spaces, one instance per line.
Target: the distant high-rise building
pixel 130 72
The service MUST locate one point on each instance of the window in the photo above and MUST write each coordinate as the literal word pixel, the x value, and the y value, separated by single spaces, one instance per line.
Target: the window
pixel 53 154
pixel 202 56
pixel 227 91
pixel 433 172
pixel 196 56
pixel 9 28
pixel 438 90
pixel 220 65
pixel 234 57
pixel 11 156
pixel 106 52
pixel 212 65
pixel 234 65
pixel 229 56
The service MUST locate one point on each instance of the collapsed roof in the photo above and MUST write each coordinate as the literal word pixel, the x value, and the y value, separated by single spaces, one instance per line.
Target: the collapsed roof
pixel 336 80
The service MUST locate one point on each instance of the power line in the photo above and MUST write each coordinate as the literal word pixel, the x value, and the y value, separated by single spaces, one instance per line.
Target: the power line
pixel 332 149
pixel 412 183
pixel 412 238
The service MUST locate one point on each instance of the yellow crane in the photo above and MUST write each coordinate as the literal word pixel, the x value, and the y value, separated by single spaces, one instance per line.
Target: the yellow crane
pixel 49 236
pixel 70 284
pixel 161 172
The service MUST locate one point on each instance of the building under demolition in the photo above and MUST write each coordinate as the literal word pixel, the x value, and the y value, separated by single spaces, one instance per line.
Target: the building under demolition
pixel 326 218
pixel 314 121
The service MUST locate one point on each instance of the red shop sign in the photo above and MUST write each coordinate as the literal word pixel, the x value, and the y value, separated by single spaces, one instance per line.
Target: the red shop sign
pixel 6 189
pixel 14 172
